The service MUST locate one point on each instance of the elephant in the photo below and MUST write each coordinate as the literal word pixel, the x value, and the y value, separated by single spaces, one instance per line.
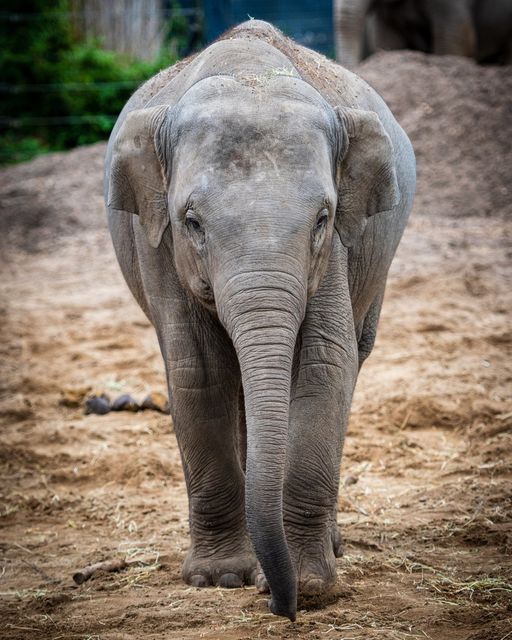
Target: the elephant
pixel 256 193
pixel 479 29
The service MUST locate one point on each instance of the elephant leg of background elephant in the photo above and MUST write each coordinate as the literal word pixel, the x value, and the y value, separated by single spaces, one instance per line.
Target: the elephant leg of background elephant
pixel 319 411
pixel 349 21
pixel 507 56
pixel 369 36
pixel 204 384
pixel 452 28
pixel 386 37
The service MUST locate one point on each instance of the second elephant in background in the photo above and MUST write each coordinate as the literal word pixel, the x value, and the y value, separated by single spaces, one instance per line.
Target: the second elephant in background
pixel 479 29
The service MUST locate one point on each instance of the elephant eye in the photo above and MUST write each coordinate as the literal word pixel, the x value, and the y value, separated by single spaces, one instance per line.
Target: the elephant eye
pixel 192 223
pixel 318 234
pixel 195 228
pixel 321 220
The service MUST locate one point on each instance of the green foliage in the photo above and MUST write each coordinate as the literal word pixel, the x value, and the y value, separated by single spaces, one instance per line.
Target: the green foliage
pixel 57 93
pixel 177 32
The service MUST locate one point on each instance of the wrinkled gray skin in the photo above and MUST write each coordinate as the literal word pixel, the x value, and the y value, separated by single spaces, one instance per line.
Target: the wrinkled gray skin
pixel 255 206
pixel 479 29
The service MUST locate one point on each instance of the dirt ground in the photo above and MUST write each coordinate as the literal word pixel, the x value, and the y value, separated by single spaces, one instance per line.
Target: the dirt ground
pixel 425 503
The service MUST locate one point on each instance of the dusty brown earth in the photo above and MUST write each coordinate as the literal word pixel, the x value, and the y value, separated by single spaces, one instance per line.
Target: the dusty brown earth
pixel 425 504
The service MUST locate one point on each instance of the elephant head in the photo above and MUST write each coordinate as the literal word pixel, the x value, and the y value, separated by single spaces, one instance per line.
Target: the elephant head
pixel 255 179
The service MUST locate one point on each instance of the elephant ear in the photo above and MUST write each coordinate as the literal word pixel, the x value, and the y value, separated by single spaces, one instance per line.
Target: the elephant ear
pixel 137 181
pixel 367 182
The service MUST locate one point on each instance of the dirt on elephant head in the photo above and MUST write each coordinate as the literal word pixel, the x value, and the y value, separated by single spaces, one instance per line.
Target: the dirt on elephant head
pixel 425 501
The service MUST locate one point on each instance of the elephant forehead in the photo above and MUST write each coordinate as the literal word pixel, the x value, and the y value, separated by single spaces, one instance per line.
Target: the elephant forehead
pixel 252 136
pixel 253 111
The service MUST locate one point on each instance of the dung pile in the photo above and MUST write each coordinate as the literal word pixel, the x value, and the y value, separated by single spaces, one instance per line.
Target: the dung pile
pixel 459 118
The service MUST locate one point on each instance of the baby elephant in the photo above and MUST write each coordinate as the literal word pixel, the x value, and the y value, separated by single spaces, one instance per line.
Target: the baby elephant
pixel 256 195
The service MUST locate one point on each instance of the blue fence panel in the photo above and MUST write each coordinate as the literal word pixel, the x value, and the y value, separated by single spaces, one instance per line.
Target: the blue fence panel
pixel 309 23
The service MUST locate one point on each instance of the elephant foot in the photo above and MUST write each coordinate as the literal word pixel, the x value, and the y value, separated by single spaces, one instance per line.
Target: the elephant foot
pixel 315 559
pixel 316 578
pixel 206 567
pixel 316 563
pixel 260 581
pixel 312 581
pixel 337 541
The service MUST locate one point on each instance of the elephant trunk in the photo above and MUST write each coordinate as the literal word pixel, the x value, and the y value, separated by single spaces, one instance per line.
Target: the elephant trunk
pixel 262 312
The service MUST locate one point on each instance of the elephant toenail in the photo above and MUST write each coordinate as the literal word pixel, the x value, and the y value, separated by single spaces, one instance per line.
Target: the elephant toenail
pixel 230 581
pixel 261 583
pixel 312 586
pixel 199 581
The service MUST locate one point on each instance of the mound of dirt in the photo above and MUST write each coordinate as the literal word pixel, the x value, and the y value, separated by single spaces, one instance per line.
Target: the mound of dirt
pixel 458 116
pixel 50 199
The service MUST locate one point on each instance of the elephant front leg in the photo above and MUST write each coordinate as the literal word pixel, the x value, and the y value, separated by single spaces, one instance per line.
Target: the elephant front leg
pixel 453 28
pixel 205 391
pixel 320 407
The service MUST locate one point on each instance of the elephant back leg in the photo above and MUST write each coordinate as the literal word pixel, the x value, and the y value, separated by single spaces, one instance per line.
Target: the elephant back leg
pixel 453 28
pixel 367 331
pixel 242 429
pixel 385 35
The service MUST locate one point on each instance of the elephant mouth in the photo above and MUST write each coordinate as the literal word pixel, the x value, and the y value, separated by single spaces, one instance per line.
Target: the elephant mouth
pixel 206 291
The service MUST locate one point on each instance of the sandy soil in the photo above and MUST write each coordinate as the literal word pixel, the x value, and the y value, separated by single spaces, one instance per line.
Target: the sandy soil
pixel 426 498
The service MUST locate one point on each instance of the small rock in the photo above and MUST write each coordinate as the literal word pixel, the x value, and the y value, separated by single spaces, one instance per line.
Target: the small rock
pixel 99 405
pixel 351 480
pixel 156 401
pixel 124 403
